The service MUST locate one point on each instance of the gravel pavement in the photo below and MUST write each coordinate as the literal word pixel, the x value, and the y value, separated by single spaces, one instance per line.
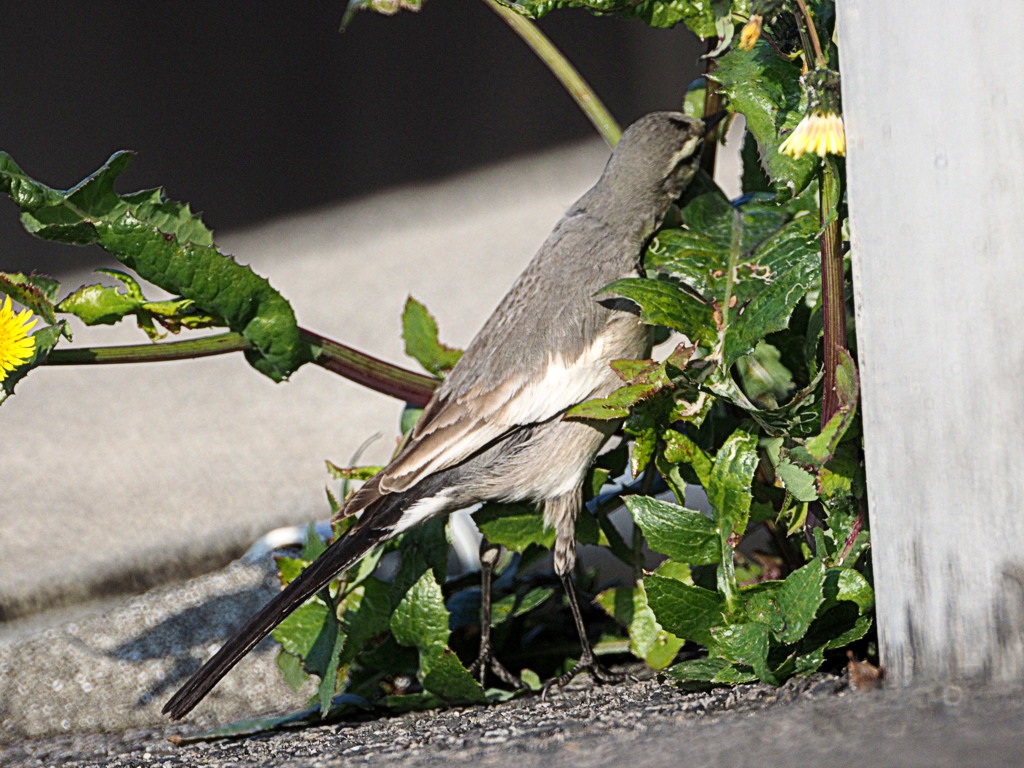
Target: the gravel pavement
pixel 88 693
pixel 809 722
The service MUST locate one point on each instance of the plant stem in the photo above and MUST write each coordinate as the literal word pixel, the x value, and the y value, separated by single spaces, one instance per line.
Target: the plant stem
pixel 219 344
pixel 730 282
pixel 712 103
pixel 565 72
pixel 833 288
pixel 812 30
pixel 408 386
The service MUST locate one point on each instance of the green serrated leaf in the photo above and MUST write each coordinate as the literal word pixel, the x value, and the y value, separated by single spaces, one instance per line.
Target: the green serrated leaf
pixel 845 614
pixel 44 339
pixel 765 89
pixel 680 448
pixel 323 660
pixel 367 615
pixel 595 482
pixel 410 415
pixel 698 669
pixel 798 481
pixel 670 569
pixel 809 662
pixel 615 406
pixel 842 476
pixel 299 631
pixel 99 304
pixel 755 257
pixel 419 330
pixel 822 447
pixel 165 244
pixel 728 485
pixel 291 669
pixel 742 644
pixel 800 597
pixel 685 611
pixel 451 682
pixel 682 534
pixel 664 303
pixel 647 639
pixel 761 604
pixel 771 283
pixel 351 473
pixel 424 547
pixel 420 619
pixel 698 15
pixel 766 380
pixel 643 425
pixel 313 546
pixel 514 526
pixel 34 292
pixel 511 606
pixel 843 583
pixel 289 568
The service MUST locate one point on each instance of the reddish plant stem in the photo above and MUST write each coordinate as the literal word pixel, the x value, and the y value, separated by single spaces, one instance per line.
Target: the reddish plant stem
pixel 833 290
pixel 408 386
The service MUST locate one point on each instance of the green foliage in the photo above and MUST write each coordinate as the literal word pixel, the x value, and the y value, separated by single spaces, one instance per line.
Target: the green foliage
pixel 706 18
pixel 419 330
pixel 765 89
pixel 164 243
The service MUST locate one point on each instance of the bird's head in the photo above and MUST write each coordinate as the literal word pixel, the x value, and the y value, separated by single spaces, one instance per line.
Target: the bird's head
pixel 653 162
pixel 658 154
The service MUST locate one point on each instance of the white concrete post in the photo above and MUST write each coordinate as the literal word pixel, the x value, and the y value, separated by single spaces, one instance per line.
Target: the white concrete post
pixel 933 98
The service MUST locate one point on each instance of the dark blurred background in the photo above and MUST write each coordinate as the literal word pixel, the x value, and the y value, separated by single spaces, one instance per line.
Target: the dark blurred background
pixel 253 110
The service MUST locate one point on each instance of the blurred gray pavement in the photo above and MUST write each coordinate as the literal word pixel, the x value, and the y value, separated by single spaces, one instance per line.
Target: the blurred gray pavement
pixel 118 478
pixel 113 669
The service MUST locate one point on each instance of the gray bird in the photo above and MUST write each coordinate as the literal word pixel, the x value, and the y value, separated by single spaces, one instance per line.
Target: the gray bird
pixel 494 430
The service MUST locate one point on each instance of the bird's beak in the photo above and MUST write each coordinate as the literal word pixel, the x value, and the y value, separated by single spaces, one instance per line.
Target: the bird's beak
pixel 713 119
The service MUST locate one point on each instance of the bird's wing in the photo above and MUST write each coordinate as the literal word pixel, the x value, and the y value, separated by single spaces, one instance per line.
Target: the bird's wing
pixel 544 349
pixel 457 425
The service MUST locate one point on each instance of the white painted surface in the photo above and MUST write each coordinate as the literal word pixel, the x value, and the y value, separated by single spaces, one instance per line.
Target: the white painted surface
pixel 934 106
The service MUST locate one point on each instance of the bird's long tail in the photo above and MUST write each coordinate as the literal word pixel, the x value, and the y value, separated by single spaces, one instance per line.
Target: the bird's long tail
pixel 375 527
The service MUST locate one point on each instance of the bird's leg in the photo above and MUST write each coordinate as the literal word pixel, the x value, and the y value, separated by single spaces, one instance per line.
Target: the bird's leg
pixel 588 660
pixel 485 660
pixel 562 515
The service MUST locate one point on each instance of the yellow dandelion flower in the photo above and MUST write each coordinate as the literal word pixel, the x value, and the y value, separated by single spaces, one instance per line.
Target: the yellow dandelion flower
pixel 751 32
pixel 819 132
pixel 16 346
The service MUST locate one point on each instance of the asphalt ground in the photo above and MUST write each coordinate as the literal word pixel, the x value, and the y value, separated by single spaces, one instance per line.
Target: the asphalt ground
pixel 651 724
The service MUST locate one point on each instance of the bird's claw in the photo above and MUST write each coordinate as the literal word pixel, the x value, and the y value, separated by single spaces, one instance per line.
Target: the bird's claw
pixel 597 671
pixel 486 662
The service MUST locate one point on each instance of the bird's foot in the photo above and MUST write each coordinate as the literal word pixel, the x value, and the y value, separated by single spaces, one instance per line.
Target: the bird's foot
pixel 485 662
pixel 598 672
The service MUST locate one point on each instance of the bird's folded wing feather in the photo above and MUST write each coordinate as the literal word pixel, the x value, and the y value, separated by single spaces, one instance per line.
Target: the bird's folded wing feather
pixel 463 426
pixel 495 388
